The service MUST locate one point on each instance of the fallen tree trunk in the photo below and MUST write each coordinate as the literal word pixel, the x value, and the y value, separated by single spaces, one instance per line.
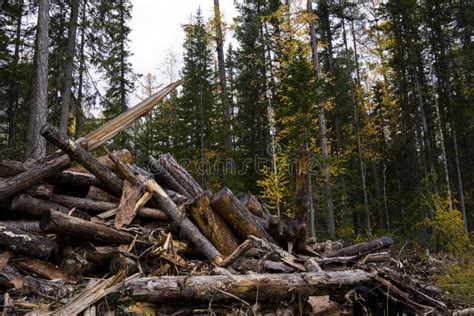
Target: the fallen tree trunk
pixel 34 206
pixel 26 243
pixel 362 248
pixel 265 287
pixel 123 155
pixel 236 214
pixel 213 225
pixel 82 156
pixel 59 223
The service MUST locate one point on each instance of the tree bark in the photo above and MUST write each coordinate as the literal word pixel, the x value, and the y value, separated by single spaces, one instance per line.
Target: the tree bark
pixel 62 224
pixel 237 215
pixel 67 83
pixel 30 244
pixel 34 206
pixel 82 156
pixel 362 248
pixel 329 205
pixel 182 176
pixel 213 225
pixel 35 146
pixel 267 287
pixel 222 78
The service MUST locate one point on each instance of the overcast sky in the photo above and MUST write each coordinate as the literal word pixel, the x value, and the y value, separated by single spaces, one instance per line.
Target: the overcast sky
pixel 156 28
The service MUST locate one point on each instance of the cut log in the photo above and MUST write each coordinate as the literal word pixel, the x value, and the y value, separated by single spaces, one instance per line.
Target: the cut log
pixel 164 177
pixel 98 194
pixel 362 248
pixel 267 287
pixel 126 210
pixel 42 268
pixel 30 177
pixel 20 241
pixel 123 262
pixel 59 223
pixel 237 215
pixel 34 206
pixel 253 205
pixel 123 155
pixel 181 175
pixel 82 156
pixel 213 225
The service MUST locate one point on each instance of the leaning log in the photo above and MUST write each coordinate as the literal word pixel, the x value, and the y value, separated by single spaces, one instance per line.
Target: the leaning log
pixel 123 155
pixel 253 205
pixel 82 156
pixel 59 223
pixel 213 225
pixel 362 248
pixel 265 287
pixel 25 242
pixel 236 214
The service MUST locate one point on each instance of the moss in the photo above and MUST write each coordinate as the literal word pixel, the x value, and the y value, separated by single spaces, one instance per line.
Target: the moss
pixel 458 279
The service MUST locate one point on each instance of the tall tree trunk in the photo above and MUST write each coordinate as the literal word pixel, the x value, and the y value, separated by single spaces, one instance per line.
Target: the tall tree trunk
pixel 38 109
pixel 78 109
pixel 329 206
pixel 13 104
pixel 223 78
pixel 355 110
pixel 67 83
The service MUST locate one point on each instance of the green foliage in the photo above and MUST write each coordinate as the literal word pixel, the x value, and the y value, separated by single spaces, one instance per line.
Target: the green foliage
pixel 447 226
pixel 275 186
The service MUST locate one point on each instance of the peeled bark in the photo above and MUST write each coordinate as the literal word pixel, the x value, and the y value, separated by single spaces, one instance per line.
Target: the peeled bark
pixel 213 225
pixel 42 268
pixel 27 243
pixel 237 215
pixel 126 210
pixel 59 223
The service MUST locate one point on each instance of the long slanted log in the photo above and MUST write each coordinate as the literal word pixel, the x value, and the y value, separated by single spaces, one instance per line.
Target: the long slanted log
pixel 34 206
pixel 253 205
pixel 181 175
pixel 59 223
pixel 265 287
pixel 49 166
pixel 82 156
pixel 213 225
pixel 102 206
pixel 362 248
pixel 164 177
pixel 25 242
pixel 236 214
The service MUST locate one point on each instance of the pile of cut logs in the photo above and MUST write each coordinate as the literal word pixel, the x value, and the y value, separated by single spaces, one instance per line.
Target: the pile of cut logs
pixel 81 234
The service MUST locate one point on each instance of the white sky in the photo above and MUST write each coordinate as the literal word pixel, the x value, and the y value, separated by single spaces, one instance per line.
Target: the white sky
pixel 156 28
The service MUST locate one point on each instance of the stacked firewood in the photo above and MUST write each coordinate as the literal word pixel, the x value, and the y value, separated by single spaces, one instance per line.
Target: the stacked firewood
pixel 105 235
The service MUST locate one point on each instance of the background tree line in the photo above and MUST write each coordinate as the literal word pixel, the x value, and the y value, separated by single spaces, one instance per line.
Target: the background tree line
pixel 380 92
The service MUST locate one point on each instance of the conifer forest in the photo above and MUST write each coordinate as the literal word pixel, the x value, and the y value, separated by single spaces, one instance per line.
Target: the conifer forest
pixel 334 122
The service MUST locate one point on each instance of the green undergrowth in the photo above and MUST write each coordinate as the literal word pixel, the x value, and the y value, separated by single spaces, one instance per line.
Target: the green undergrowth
pixel 457 280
